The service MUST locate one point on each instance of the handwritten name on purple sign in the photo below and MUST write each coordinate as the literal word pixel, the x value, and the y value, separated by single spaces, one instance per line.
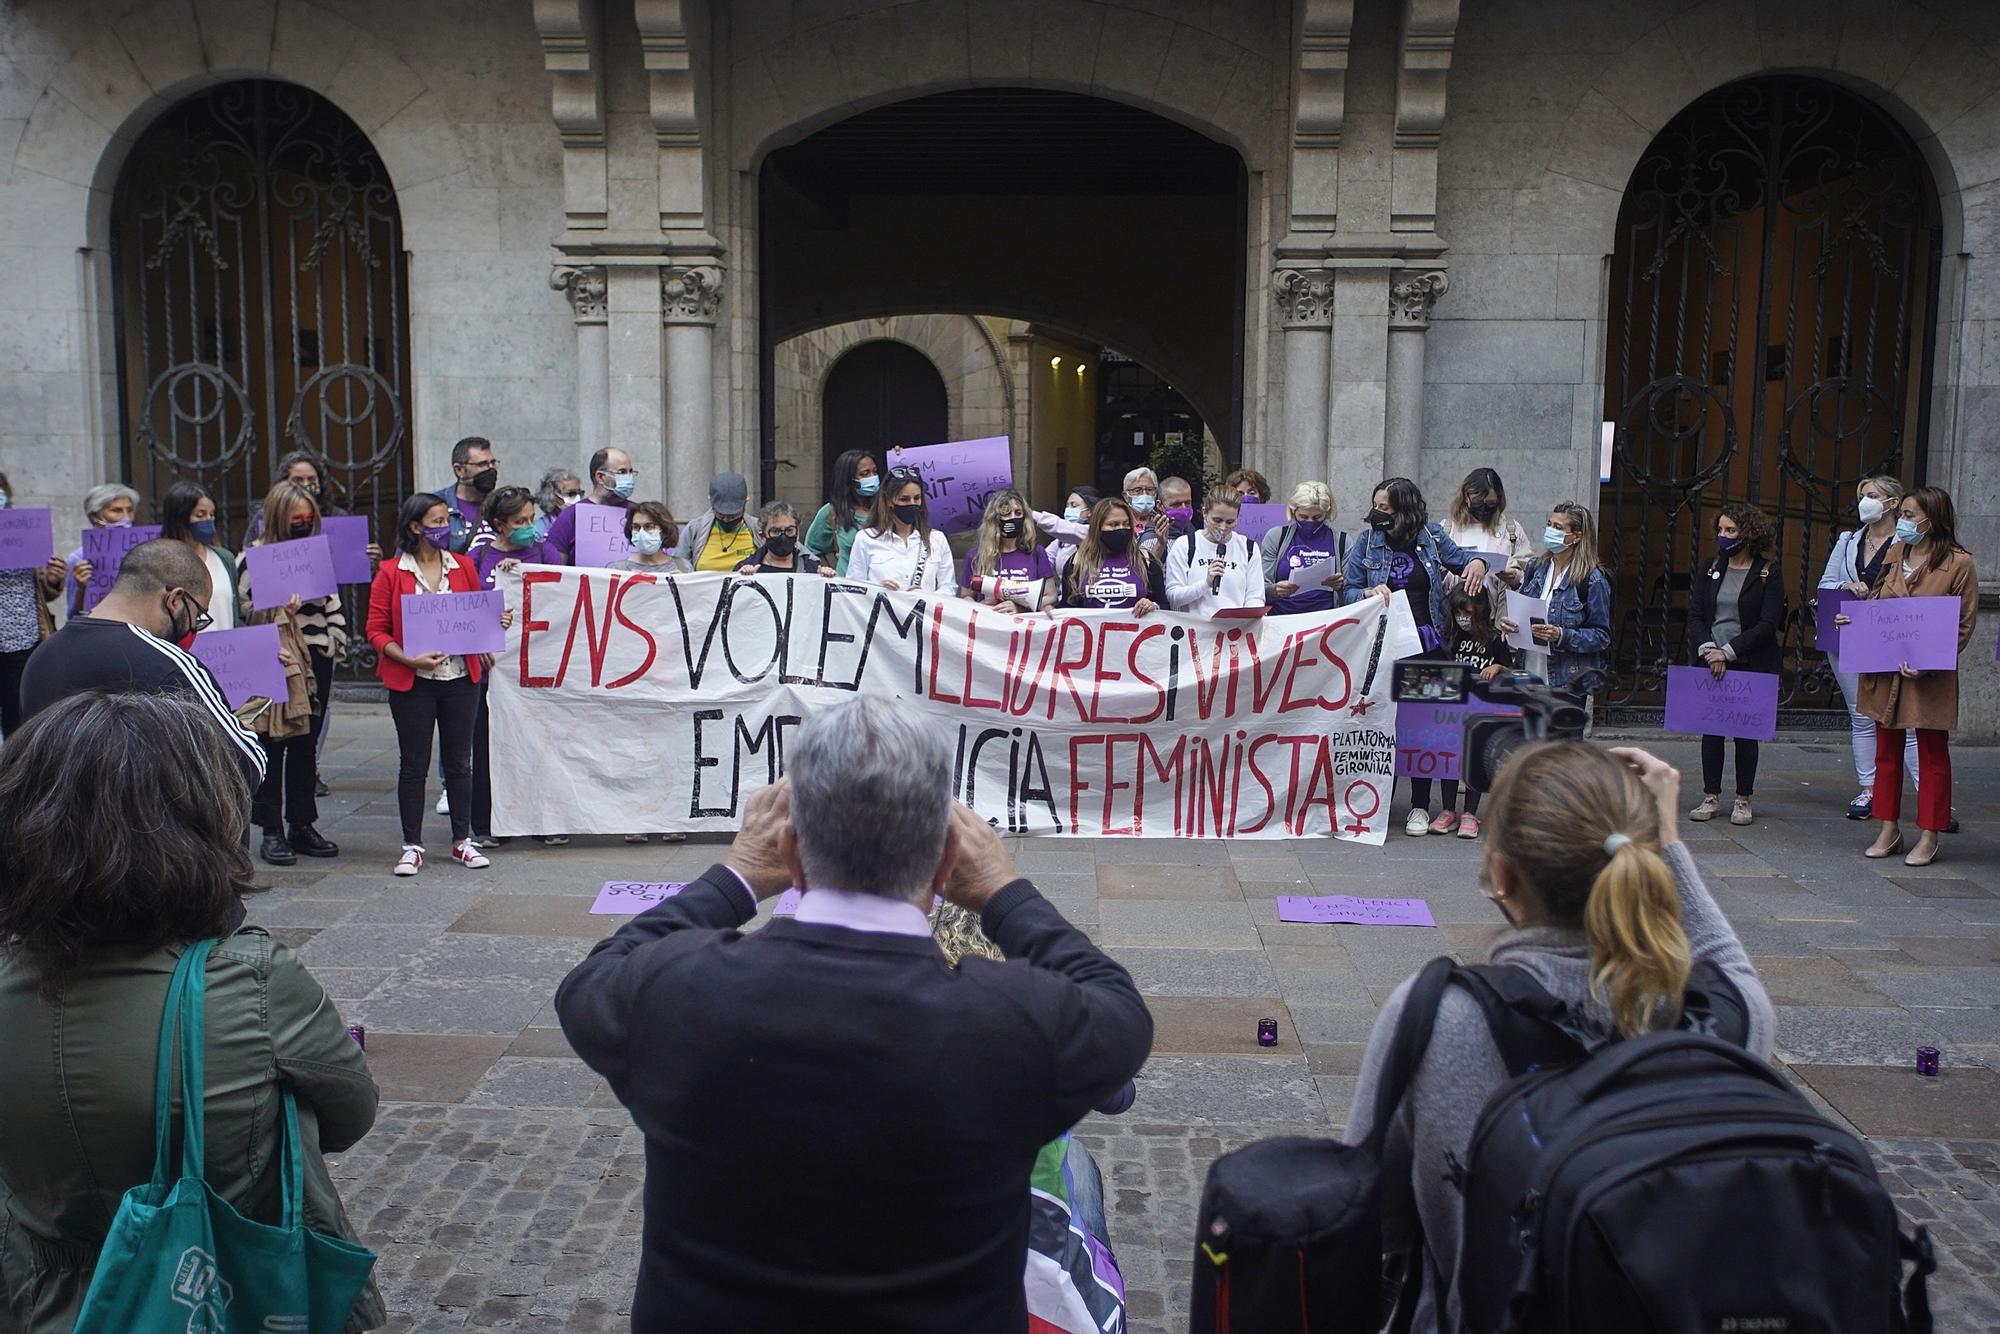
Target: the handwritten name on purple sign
pixel 1826 635
pixel 623 898
pixel 958 477
pixel 453 622
pixel 1884 633
pixel 27 539
pixel 1429 737
pixel 1253 521
pixel 600 535
pixel 244 662
pixel 347 534
pixel 1739 704
pixel 280 570
pixel 104 549
pixel 1354 910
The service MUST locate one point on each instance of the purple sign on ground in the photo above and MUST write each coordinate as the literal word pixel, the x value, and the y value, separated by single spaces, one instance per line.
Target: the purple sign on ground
pixel 104 549
pixel 347 534
pixel 1429 736
pixel 600 535
pixel 958 477
pixel 1884 633
pixel 453 622
pixel 1354 910
pixel 1826 635
pixel 1253 521
pixel 1738 704
pixel 624 898
pixel 245 663
pixel 278 570
pixel 27 539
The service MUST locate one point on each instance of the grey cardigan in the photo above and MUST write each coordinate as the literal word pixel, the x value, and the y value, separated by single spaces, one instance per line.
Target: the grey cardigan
pixel 1462 1067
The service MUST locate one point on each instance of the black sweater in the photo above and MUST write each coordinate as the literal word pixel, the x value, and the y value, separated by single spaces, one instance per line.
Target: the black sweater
pixel 1760 608
pixel 839 1126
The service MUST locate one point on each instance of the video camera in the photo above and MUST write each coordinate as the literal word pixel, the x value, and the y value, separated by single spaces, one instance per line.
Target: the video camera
pixel 1546 713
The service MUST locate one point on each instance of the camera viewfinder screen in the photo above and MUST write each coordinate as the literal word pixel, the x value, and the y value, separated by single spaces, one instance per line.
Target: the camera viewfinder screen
pixel 1443 683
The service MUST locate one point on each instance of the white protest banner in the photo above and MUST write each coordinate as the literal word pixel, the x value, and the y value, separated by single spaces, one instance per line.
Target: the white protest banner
pixel 635 701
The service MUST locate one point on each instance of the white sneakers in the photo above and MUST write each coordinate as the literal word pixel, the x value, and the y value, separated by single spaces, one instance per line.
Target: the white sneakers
pixel 467 854
pixel 444 803
pixel 1418 824
pixel 412 860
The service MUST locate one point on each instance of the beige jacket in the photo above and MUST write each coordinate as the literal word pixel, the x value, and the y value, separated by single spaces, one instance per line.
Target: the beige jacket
pixel 1931 699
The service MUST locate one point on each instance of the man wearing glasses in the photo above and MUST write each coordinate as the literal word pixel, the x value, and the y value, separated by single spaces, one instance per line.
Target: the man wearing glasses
pixel 613 479
pixel 135 640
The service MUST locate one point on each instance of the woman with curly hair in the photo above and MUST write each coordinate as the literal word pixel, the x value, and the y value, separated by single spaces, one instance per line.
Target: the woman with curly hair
pixel 1735 611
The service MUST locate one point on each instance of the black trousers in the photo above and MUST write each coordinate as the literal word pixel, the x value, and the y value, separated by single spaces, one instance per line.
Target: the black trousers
pixel 1420 795
pixel 446 709
pixel 285 798
pixel 11 667
pixel 482 770
pixel 1711 765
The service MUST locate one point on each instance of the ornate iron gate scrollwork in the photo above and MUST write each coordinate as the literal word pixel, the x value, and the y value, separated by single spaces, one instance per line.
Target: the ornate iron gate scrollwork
pixel 263 308
pixel 1771 299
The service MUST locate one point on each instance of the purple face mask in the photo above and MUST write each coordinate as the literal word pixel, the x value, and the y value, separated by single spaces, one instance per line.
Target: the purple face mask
pixel 439 537
pixel 1179 513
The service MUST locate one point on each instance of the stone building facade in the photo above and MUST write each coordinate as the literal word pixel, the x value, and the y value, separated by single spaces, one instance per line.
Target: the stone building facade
pixel 1420 246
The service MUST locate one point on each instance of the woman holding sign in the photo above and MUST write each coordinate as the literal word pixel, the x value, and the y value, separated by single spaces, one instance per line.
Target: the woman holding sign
pixel 1853 566
pixel 1925 562
pixel 1736 613
pixel 109 505
pixel 25 621
pixel 899 550
pixel 1111 569
pixel 187 514
pixel 1005 567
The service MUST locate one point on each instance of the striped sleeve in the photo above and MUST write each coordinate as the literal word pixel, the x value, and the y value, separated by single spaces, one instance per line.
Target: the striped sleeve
pixel 206 692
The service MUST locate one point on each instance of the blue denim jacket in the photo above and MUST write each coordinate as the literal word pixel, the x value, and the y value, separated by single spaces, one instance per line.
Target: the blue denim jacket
pixel 1370 559
pixel 1584 614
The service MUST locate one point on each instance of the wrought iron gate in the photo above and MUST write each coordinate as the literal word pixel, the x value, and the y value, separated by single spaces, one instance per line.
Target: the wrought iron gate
pixel 1768 340
pixel 263 305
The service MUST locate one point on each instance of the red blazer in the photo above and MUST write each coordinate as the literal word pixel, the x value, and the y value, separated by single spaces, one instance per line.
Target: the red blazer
pixel 385 614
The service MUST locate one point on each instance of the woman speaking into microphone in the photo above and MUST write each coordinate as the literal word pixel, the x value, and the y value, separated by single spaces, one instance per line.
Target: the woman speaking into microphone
pixel 1212 569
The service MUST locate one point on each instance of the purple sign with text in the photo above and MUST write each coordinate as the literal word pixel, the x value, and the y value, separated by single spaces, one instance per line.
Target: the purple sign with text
pixel 623 898
pixel 1738 704
pixel 1253 521
pixel 245 663
pixel 347 534
pixel 1826 635
pixel 1354 910
pixel 104 550
pixel 279 570
pixel 1884 633
pixel 453 622
pixel 27 539
pixel 958 477
pixel 600 534
pixel 1429 736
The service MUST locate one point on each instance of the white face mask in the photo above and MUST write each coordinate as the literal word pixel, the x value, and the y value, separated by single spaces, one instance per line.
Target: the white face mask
pixel 1464 622
pixel 647 543
pixel 1870 509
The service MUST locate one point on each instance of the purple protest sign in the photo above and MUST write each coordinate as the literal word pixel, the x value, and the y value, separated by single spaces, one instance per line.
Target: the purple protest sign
pixel 1739 704
pixel 1429 736
pixel 347 534
pixel 303 566
pixel 1826 635
pixel 1253 521
pixel 958 477
pixel 104 550
pixel 27 539
pixel 600 535
pixel 1884 633
pixel 624 898
pixel 453 622
pixel 1354 910
pixel 245 663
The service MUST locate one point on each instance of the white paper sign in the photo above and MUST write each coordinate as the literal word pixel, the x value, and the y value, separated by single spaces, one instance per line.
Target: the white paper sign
pixel 1525 612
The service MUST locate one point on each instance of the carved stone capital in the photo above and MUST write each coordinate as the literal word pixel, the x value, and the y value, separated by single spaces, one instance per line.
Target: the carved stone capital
pixel 1411 299
pixel 585 288
pixel 690 295
pixel 1304 297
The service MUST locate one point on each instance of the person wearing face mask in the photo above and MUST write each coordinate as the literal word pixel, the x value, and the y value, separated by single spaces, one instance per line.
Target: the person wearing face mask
pixel 1065 530
pixel 1926 561
pixel 1736 617
pixel 721 537
pixel 25 621
pixel 1577 634
pixel 1249 486
pixel 1476 641
pixel 557 491
pixel 1480 522
pixel 613 479
pixel 1855 564
pixel 1005 567
pixel 1403 551
pixel 780 552
pixel 1176 507
pixel 1307 540
pixel 301 469
pixel 475 473
pixel 1213 569
pixel 856 479
pixel 1113 569
pixel 508 536
pixel 652 531
pixel 1142 494
pixel 899 550
pixel 130 642
pixel 187 514
pixel 107 506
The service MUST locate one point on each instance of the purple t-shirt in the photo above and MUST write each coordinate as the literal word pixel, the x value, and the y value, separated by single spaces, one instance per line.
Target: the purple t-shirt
pixel 1119 583
pixel 486 558
pixel 1298 555
pixel 1010 565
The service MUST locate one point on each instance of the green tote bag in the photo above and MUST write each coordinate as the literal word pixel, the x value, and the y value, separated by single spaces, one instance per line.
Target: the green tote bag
pixel 178 1258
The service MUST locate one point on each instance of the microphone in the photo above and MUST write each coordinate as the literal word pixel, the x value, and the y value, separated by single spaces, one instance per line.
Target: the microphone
pixel 1215 576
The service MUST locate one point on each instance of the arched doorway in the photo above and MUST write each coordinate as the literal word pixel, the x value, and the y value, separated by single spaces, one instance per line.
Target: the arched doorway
pixel 263 302
pixel 880 394
pixel 1768 340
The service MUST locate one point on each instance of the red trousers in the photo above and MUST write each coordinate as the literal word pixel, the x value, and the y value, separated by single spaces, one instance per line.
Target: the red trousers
pixel 1933 774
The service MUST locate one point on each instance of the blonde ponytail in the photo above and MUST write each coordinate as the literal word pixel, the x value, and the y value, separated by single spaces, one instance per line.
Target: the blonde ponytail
pixel 1639 957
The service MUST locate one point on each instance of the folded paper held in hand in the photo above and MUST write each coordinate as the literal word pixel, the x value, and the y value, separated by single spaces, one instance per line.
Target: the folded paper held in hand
pixel 1526 613
pixel 453 623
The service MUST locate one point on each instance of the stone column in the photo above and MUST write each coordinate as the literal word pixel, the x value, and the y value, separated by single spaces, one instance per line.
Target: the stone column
pixel 689 299
pixel 586 289
pixel 1305 302
pixel 1411 299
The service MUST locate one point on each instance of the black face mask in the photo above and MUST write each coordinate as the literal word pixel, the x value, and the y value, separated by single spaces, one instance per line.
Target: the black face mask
pixel 1483 510
pixel 302 527
pixel 728 523
pixel 1115 541
pixel 1381 520
pixel 1011 527
pixel 908 514
pixel 485 480
pixel 784 544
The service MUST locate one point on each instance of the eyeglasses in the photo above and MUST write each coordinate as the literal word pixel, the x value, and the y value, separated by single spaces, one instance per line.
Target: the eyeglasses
pixel 903 472
pixel 770 533
pixel 202 620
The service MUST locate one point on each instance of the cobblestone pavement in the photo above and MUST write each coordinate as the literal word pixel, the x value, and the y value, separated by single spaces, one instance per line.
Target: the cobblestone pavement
pixel 501 1185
